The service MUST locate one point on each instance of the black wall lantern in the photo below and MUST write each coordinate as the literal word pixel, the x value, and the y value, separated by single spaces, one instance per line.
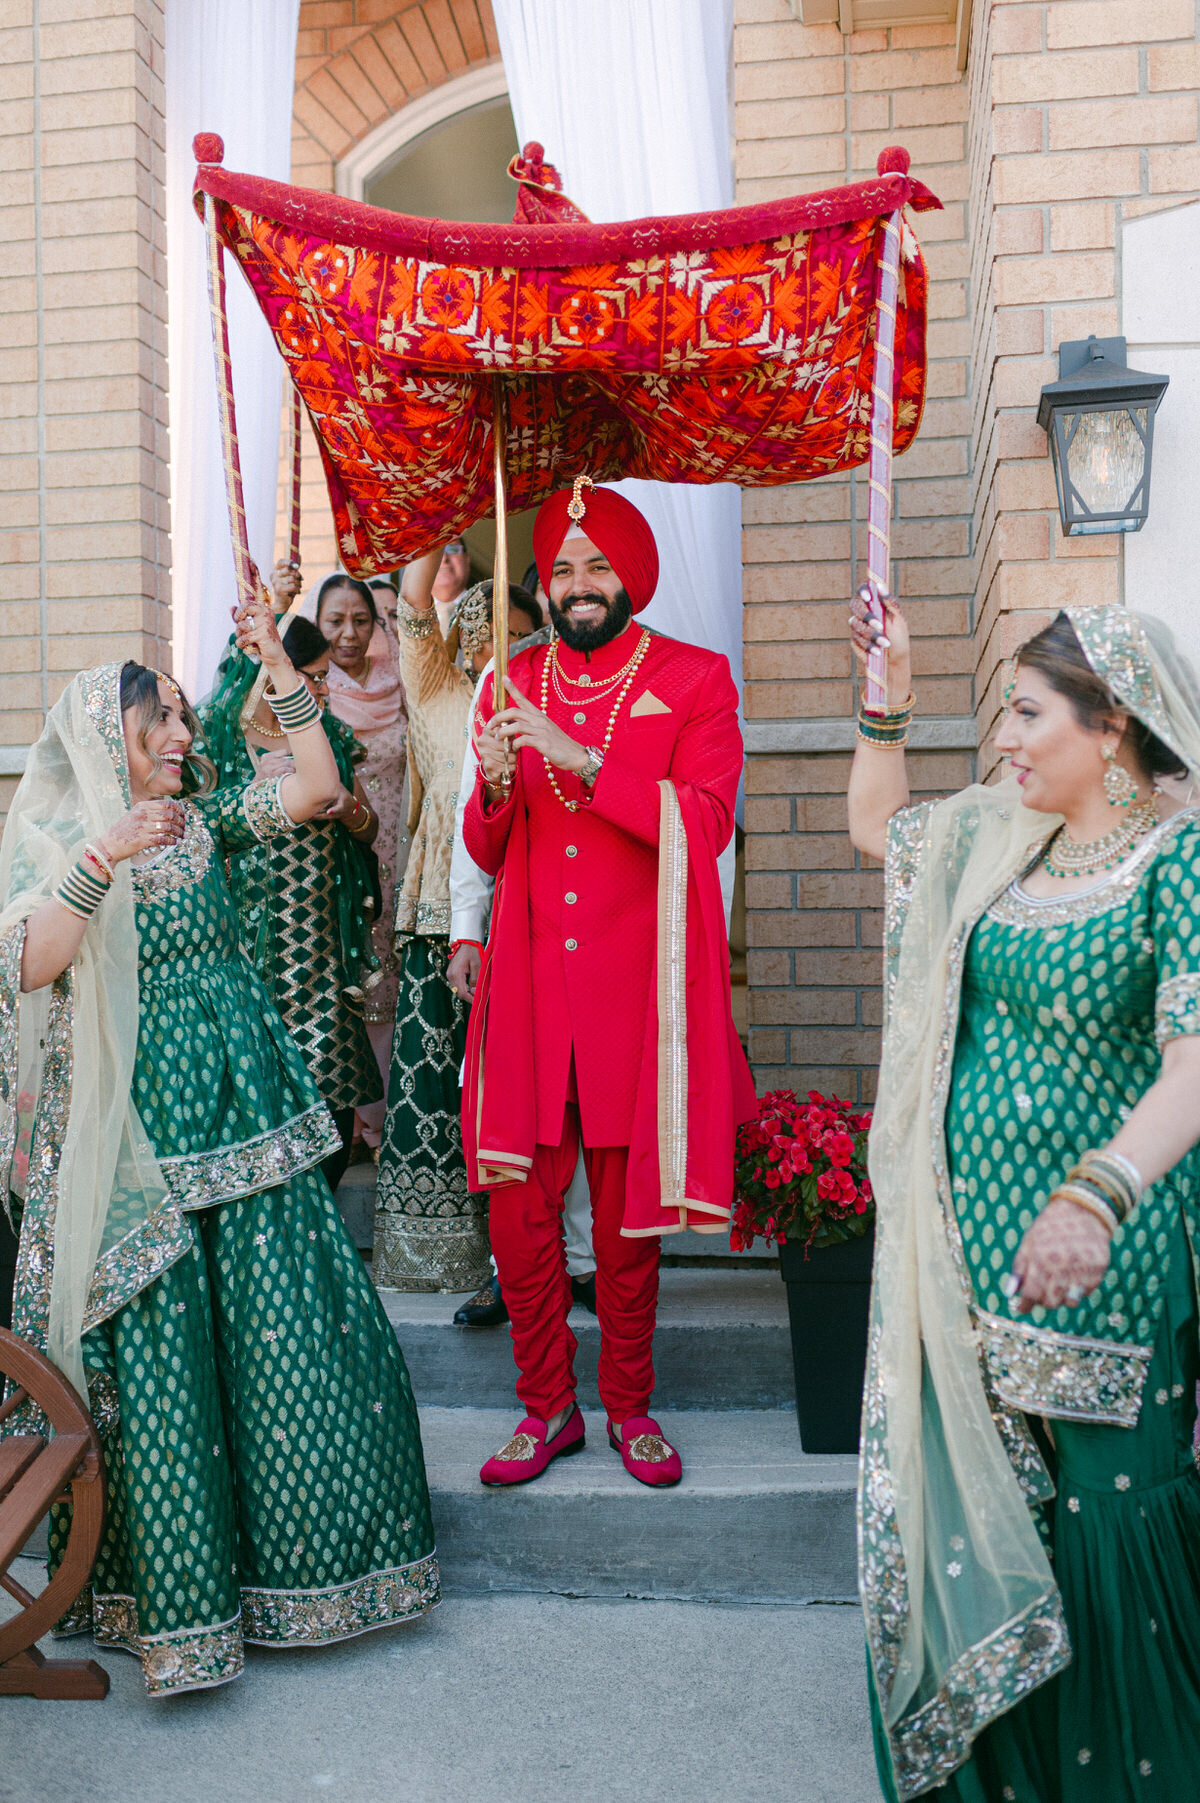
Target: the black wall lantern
pixel 1099 417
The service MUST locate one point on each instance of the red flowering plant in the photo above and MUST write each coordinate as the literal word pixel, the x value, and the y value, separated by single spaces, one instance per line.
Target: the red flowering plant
pixel 801 1173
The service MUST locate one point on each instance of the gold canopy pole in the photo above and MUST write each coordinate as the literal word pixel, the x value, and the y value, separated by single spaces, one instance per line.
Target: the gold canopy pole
pixel 500 567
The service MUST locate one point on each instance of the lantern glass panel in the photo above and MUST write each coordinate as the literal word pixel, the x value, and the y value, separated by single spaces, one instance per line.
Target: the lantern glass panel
pixel 1106 458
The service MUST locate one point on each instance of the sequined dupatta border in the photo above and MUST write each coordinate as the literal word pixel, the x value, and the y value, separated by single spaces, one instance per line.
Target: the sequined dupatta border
pixel 979 1673
pixel 124 1268
pixel 672 1071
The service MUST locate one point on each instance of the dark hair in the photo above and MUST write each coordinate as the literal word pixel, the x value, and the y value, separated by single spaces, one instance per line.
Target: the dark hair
pixel 139 688
pixel 1056 654
pixel 518 597
pixel 339 580
pixel 304 642
pixel 531 578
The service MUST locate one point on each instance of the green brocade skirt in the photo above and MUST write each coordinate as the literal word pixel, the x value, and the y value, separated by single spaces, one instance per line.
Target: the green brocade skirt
pixel 265 1476
pixel 430 1229
pixel 1122 1723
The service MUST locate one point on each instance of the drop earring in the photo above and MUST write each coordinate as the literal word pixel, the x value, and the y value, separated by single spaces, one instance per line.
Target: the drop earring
pixel 1119 787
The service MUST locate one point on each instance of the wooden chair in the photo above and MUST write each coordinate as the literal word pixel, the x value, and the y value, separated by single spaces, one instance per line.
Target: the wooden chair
pixel 35 1472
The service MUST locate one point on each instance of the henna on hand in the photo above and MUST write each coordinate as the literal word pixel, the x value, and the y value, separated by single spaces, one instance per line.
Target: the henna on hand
pixel 1062 1257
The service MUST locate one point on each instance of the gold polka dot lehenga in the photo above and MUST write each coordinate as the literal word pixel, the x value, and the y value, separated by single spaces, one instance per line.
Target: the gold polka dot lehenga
pixel 181 1255
pixel 430 1229
pixel 1029 1499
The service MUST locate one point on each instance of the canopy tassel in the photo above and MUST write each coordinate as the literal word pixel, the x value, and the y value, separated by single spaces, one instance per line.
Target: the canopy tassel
pixel 879 488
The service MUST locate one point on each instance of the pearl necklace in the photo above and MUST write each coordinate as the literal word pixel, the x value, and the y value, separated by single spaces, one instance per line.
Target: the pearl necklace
pixel 1066 857
pixel 629 672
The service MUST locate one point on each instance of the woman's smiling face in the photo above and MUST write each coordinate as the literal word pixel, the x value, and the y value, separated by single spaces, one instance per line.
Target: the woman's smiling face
pixel 156 750
pixel 1055 758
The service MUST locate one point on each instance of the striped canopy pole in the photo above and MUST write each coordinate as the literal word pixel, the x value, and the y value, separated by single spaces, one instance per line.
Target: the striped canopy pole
pixel 294 536
pixel 500 566
pixel 243 563
pixel 879 504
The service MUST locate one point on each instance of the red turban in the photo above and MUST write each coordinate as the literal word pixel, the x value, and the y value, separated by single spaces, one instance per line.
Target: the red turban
pixel 614 526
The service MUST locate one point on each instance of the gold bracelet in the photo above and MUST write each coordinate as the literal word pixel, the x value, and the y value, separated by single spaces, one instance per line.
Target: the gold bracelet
pixel 1068 1192
pixel 888 713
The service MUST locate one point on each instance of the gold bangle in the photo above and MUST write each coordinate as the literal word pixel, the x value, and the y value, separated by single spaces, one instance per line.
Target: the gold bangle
pixel 1068 1192
pixel 888 713
pixel 1091 1176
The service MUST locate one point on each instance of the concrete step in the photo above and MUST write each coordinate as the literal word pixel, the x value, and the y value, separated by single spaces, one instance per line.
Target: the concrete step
pixel 754 1520
pixel 721 1343
pixel 356 1200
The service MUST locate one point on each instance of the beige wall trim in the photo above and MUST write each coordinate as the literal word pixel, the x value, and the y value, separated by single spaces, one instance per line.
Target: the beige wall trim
pixel 862 15
pixel 13 759
pixel 772 737
pixel 478 85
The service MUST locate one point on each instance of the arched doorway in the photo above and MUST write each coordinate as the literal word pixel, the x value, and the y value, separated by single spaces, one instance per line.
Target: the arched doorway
pixel 446 156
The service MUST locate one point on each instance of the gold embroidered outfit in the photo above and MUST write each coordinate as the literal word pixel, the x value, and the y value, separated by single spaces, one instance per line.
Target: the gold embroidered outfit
pixel 263 1460
pixel 1018 1033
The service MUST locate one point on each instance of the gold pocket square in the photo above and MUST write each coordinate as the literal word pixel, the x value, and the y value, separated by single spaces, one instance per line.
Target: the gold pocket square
pixel 648 704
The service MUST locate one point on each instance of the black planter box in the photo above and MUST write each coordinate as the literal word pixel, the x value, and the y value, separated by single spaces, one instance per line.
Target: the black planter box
pixel 829 1295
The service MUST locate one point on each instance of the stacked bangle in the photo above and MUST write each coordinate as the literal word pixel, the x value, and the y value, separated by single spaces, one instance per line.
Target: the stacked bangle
pixel 1110 1177
pixel 360 820
pixel 295 711
pixel 93 853
pixel 1084 1196
pixel 885 726
pixel 81 893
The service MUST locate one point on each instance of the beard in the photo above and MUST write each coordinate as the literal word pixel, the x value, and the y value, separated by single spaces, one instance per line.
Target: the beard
pixel 617 614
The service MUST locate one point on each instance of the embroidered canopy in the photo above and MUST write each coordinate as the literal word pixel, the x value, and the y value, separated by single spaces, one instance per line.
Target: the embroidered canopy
pixel 732 346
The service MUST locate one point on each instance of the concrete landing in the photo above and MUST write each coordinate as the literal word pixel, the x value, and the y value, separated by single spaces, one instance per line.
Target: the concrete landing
pixel 721 1343
pixel 505 1699
pixel 754 1520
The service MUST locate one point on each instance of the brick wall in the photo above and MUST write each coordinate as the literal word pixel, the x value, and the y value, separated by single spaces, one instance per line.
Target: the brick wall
pixel 1084 113
pixel 813 110
pixel 83 468
pixel 359 62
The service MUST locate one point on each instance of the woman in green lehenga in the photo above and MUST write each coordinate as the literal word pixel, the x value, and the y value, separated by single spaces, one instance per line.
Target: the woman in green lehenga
pixel 305 901
pixel 181 1257
pixel 1029 1501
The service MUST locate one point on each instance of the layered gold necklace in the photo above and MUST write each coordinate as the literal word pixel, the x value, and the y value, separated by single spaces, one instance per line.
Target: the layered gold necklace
pixel 1065 857
pixel 624 676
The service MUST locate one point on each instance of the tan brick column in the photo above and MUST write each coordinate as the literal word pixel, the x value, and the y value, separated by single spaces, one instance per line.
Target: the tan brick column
pixel 1084 113
pixel 84 458
pixel 813 110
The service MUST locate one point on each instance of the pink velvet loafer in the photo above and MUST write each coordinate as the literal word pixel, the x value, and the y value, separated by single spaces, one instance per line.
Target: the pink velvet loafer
pixel 646 1455
pixel 528 1453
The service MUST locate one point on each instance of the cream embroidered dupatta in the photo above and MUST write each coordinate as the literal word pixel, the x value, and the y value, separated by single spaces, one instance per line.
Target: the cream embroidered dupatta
pixel 97 1224
pixel 963 1614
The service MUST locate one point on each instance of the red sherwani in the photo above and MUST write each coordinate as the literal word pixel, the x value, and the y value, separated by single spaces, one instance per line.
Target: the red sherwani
pixel 565 1034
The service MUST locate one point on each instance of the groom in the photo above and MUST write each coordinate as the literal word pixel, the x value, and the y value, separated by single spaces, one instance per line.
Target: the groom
pixel 605 793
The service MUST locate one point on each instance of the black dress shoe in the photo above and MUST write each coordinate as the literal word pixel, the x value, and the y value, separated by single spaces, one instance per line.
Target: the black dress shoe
pixel 583 1291
pixel 486 1309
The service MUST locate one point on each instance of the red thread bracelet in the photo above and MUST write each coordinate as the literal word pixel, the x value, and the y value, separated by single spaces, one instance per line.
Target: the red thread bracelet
pixel 456 945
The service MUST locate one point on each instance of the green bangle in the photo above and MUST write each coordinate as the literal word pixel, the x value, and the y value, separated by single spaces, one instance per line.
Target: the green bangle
pixel 80 893
pixel 875 732
pixel 294 711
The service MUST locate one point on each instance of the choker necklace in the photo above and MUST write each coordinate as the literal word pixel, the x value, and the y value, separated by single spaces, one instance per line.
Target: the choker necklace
pixel 1066 857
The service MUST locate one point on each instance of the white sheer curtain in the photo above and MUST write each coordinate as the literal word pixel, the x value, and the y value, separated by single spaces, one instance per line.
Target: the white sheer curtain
pixel 631 100
pixel 230 68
